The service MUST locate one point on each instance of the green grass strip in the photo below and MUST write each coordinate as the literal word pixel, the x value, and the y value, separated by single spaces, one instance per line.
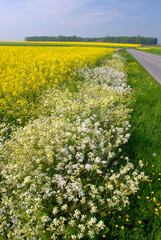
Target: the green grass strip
pixel 146 117
pixel 145 144
pixel 153 51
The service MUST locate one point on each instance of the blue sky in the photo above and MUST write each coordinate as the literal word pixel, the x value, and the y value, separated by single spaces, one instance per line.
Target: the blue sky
pixel 85 18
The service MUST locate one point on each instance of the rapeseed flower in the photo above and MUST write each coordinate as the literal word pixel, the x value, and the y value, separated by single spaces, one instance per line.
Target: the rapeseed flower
pixel 27 71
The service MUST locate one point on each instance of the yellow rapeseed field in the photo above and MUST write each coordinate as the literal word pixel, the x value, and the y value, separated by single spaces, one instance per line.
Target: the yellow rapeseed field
pixel 106 44
pixel 99 44
pixel 26 71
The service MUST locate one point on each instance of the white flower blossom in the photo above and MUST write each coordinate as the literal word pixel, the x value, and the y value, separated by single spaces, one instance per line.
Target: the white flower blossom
pixel 60 162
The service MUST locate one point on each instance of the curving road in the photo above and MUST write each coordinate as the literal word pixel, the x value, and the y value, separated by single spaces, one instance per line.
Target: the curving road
pixel 151 62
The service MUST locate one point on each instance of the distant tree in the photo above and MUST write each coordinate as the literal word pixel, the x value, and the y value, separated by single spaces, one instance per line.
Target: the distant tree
pixel 121 39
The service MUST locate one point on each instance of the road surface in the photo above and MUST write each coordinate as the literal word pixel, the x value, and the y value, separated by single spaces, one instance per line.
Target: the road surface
pixel 151 62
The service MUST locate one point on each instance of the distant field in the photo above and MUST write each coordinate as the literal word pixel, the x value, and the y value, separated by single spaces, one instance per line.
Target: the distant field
pixel 155 50
pixel 88 44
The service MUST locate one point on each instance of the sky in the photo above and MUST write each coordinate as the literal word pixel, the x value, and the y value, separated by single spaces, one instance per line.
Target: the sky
pixel 84 18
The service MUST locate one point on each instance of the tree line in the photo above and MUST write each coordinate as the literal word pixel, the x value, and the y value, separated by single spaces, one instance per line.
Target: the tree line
pixel 121 39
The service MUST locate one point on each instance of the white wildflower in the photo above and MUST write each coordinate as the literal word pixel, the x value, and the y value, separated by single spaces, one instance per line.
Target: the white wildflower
pixel 64 207
pixel 76 214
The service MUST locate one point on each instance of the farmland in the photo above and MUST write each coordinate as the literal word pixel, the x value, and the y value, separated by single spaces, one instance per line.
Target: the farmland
pixel 67 44
pixel 71 167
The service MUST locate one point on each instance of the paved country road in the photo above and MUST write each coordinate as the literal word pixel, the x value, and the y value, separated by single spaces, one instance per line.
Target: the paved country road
pixel 151 62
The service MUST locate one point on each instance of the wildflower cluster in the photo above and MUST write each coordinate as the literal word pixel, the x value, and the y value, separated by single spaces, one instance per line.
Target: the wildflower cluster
pixel 59 172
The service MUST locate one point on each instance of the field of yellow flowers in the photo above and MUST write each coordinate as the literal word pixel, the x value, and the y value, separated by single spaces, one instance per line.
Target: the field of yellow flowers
pixel 26 71
pixel 124 45
pixel 90 44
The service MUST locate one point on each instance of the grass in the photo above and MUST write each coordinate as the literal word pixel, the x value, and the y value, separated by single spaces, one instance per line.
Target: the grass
pixel 146 117
pixel 145 144
pixel 156 51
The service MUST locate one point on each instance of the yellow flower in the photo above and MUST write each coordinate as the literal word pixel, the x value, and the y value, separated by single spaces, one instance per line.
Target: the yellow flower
pixel 147 197
pixel 144 179
pixel 140 222
pixel 116 226
pixel 122 227
pixel 119 217
pixel 27 71
pixel 103 235
pixel 154 199
pixel 127 220
pixel 139 197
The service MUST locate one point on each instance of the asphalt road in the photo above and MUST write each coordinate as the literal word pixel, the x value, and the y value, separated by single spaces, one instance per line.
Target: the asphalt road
pixel 151 62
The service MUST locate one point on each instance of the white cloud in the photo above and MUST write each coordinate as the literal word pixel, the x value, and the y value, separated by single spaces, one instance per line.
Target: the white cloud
pixel 65 10
pixel 129 5
pixel 54 7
